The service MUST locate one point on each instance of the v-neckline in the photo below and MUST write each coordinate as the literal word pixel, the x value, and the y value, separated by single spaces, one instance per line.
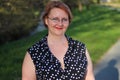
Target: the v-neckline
pixel 63 68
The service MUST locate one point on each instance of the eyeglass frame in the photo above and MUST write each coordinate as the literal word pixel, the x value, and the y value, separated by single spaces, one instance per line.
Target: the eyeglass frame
pixel 57 20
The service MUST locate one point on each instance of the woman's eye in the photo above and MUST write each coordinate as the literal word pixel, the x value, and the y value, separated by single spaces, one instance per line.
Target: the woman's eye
pixel 55 19
pixel 65 19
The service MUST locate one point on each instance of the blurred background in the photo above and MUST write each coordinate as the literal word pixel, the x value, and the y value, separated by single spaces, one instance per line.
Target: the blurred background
pixel 95 22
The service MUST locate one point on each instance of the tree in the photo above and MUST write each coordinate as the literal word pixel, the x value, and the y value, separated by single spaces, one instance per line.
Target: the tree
pixel 98 1
pixel 78 3
pixel 18 18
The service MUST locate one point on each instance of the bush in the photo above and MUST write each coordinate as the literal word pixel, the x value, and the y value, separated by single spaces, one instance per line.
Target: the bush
pixel 18 18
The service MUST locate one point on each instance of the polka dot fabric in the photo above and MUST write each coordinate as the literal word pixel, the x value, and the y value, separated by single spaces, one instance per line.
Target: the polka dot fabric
pixel 48 66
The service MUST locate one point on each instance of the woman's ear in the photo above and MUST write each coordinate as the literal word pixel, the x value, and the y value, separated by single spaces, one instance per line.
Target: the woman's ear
pixel 46 21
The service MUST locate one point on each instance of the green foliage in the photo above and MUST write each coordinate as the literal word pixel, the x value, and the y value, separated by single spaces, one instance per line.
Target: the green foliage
pixel 18 18
pixel 111 1
pixel 71 3
pixel 99 28
pixel 75 3
pixel 12 55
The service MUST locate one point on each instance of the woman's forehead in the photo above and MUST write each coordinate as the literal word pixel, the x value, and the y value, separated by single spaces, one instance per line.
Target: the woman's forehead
pixel 58 12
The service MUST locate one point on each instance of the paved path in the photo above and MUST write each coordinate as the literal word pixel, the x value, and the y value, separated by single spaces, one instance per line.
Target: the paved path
pixel 109 66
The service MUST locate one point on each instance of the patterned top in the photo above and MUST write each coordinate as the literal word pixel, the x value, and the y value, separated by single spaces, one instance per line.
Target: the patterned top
pixel 48 67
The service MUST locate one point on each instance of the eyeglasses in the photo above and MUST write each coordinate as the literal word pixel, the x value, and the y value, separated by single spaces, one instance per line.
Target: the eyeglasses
pixel 57 20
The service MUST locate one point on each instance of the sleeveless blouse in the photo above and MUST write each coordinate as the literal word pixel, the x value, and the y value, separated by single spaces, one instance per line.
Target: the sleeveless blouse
pixel 48 67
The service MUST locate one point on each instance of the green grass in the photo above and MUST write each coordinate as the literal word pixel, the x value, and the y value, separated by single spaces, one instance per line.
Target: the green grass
pixel 98 28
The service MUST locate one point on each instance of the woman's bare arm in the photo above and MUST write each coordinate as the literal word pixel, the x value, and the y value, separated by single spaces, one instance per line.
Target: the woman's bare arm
pixel 90 74
pixel 28 68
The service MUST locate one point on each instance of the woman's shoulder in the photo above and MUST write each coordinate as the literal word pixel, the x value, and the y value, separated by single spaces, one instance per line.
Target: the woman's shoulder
pixel 37 45
pixel 76 42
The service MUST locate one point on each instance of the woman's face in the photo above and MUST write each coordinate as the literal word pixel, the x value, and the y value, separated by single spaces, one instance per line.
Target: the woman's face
pixel 57 21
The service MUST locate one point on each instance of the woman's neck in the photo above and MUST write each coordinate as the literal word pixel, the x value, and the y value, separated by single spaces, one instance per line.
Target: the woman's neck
pixel 55 39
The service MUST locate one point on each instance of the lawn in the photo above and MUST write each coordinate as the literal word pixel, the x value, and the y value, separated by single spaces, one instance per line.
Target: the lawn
pixel 98 28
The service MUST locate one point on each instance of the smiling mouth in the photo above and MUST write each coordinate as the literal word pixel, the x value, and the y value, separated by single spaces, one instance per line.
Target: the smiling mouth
pixel 59 28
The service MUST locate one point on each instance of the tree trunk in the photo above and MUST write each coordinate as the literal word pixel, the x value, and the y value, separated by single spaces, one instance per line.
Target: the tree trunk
pixel 98 1
pixel 79 6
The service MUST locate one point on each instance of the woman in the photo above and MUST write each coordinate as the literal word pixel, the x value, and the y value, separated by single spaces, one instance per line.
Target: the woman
pixel 57 56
